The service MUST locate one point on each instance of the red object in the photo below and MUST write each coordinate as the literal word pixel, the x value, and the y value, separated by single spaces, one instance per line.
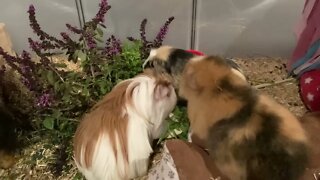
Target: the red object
pixel 310 89
pixel 198 53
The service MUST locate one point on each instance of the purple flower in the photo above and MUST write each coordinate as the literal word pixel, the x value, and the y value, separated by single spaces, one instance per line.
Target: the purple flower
pixel 113 47
pixel 25 69
pixel 37 29
pixel 74 29
pixel 65 36
pixel 104 7
pixel 11 60
pixel 31 9
pixel 25 56
pixel 143 31
pixel 91 43
pixel 34 45
pixel 45 100
pixel 162 33
pixel 27 83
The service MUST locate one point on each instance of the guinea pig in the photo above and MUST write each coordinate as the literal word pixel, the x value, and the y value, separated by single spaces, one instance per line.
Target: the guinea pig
pixel 248 134
pixel 113 140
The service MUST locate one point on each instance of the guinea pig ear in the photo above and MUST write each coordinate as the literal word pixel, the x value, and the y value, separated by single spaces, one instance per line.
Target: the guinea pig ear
pixel 161 91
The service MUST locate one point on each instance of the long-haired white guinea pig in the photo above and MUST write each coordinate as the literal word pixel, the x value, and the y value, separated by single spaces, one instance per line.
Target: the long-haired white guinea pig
pixel 113 141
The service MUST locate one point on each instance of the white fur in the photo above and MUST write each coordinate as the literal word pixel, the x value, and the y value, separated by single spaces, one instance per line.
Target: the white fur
pixel 152 54
pixel 190 135
pixel 146 122
pixel 238 73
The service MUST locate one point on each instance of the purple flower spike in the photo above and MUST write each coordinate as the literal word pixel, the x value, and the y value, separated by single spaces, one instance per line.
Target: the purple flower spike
pixel 31 9
pixel 91 43
pixel 104 7
pixel 25 56
pixel 113 47
pixel 162 33
pixel 143 31
pixel 37 29
pixel 34 45
pixel 74 29
pixel 27 83
pixel 45 100
pixel 65 36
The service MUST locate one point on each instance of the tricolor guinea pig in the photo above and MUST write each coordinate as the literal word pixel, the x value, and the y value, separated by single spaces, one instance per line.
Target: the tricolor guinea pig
pixel 113 140
pixel 248 134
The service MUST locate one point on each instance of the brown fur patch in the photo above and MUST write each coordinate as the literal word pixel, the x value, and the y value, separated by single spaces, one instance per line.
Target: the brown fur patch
pixel 290 126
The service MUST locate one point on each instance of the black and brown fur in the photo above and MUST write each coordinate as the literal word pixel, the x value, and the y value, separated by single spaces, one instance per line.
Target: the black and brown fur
pixel 248 135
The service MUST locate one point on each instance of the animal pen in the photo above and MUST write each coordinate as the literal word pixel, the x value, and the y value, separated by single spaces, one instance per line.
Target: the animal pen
pixel 58 58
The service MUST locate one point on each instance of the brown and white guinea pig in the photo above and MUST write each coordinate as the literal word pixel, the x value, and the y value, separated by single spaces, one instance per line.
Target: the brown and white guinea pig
pixel 249 135
pixel 113 141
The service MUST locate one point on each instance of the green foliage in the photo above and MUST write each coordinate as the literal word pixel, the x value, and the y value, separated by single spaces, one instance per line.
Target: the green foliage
pixel 79 91
pixel 178 125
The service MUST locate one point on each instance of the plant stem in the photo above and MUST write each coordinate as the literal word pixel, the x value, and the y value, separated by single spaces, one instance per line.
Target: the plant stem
pixel 260 86
pixel 53 69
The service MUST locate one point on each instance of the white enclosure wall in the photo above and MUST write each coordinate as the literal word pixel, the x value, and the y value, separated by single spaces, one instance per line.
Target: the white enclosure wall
pixel 226 27
pixel 247 27
pixel 125 16
pixel 52 15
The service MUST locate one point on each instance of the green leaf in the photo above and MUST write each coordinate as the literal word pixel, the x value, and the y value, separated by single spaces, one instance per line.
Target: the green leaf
pixel 82 55
pixel 48 122
pixel 50 77
pixel 99 31
pixel 98 39
pixel 57 86
pixel 56 113
pixel 85 91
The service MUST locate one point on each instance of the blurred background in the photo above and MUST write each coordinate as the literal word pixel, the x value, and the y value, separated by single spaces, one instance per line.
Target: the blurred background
pixel 225 27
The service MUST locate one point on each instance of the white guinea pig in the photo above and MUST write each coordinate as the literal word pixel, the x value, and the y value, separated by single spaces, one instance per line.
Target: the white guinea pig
pixel 113 141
